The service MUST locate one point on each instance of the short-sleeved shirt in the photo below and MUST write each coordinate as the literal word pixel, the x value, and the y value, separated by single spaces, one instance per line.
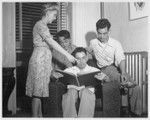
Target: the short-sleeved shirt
pixel 107 53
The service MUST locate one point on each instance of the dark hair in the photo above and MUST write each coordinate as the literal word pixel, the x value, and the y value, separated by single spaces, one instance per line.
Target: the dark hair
pixel 102 23
pixel 49 7
pixel 63 33
pixel 79 49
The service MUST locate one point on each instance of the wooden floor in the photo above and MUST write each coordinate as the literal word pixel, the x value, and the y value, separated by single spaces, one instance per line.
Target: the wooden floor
pixel 24 110
pixel 23 114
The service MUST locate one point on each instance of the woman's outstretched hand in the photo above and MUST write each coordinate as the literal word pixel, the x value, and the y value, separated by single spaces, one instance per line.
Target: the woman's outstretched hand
pixel 72 59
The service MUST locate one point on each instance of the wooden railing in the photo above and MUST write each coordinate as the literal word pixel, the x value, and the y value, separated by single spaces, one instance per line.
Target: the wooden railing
pixel 137 67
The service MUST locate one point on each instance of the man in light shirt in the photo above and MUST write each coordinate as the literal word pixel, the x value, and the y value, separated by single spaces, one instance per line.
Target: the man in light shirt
pixel 86 94
pixel 110 58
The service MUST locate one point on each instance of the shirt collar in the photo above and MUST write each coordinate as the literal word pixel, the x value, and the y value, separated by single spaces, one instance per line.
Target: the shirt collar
pixel 109 42
pixel 86 67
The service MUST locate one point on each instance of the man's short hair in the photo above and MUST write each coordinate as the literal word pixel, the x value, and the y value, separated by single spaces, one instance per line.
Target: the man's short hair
pixel 102 23
pixel 79 49
pixel 63 33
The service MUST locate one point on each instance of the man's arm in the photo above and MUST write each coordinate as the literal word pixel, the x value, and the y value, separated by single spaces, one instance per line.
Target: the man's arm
pixel 122 67
pixel 89 52
pixel 122 71
pixel 124 76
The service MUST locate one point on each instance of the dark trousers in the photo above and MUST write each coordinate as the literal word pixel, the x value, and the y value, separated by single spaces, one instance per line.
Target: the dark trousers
pixel 111 98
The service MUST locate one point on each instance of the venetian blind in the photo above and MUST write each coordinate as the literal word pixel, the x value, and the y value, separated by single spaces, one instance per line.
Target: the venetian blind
pixel 63 17
pixel 27 14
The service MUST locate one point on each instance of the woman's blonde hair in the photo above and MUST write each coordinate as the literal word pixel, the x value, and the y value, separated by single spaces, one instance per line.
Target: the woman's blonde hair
pixel 49 7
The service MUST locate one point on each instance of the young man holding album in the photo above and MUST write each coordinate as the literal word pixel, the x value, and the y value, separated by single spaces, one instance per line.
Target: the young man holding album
pixel 86 94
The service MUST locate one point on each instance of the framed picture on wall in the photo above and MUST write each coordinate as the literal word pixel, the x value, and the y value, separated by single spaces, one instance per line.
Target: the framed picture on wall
pixel 138 10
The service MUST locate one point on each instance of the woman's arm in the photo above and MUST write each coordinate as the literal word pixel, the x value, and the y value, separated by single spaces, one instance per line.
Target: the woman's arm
pixel 57 47
pixel 43 31
pixel 60 59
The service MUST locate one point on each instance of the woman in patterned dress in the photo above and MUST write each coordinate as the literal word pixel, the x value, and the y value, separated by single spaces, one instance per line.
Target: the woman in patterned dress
pixel 40 66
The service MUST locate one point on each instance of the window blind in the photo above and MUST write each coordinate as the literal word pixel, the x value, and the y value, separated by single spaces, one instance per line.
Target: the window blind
pixel 63 16
pixel 30 14
pixel 27 14
pixel 17 21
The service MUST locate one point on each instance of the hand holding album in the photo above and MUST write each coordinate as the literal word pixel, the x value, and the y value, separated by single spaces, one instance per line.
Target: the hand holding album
pixel 128 84
pixel 86 79
pixel 101 76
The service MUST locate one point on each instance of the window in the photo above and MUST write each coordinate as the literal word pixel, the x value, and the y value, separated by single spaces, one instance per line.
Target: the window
pixel 26 16
pixel 63 15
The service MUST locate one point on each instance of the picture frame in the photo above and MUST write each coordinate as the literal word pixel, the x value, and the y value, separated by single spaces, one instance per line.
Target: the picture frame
pixel 138 10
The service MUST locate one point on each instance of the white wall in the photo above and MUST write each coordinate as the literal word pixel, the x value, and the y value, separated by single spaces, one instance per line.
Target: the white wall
pixel 85 16
pixel 132 34
pixel 149 50
pixel 8 45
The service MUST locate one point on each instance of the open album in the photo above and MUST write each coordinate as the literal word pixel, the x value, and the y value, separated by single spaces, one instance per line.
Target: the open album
pixel 86 79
